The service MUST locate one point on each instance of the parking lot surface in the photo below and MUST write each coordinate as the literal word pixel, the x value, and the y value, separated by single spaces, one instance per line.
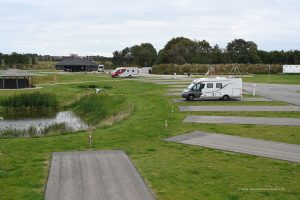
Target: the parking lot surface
pixel 95 175
pixel 239 108
pixel 243 120
pixel 270 149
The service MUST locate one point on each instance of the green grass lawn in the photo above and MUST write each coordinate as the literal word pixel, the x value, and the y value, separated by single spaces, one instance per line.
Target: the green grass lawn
pixel 274 78
pixel 172 171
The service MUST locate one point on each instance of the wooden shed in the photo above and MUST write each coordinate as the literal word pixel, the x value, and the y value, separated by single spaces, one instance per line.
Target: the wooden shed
pixel 15 79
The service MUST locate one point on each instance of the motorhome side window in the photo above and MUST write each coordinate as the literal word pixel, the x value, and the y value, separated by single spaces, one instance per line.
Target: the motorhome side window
pixel 210 85
pixel 219 85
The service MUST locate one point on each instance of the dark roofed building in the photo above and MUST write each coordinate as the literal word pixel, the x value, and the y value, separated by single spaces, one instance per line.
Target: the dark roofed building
pixel 76 64
pixel 15 79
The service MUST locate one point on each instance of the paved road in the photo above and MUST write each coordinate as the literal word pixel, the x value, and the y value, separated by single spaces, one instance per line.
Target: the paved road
pixel 270 149
pixel 243 120
pixel 279 92
pixel 165 77
pixel 239 108
pixel 207 100
pixel 98 175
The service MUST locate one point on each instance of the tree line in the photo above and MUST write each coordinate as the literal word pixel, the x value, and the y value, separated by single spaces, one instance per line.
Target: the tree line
pixel 182 50
pixel 178 50
pixel 17 59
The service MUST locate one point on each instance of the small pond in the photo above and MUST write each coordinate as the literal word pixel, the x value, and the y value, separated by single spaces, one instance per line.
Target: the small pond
pixel 69 119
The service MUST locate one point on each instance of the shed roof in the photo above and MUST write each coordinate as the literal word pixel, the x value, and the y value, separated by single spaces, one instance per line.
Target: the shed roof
pixel 76 62
pixel 14 73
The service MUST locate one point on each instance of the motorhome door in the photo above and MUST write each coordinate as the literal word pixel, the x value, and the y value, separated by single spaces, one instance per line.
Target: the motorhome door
pixel 197 90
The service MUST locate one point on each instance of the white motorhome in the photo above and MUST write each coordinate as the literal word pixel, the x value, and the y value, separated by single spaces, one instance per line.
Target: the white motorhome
pixel 214 88
pixel 291 69
pixel 125 72
pixel 100 68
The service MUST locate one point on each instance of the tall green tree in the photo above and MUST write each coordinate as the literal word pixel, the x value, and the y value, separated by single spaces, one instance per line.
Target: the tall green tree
pixel 178 51
pixel 241 51
pixel 144 54
pixel 216 56
pixel 202 52
pixel 123 57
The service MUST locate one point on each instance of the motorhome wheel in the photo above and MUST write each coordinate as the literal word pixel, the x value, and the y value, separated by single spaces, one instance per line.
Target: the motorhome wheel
pixel 190 98
pixel 225 97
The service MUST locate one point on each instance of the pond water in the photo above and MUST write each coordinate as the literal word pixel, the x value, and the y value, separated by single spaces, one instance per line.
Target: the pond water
pixel 71 121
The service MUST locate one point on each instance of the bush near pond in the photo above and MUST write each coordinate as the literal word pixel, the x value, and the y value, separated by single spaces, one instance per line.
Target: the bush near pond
pixel 30 102
pixel 95 108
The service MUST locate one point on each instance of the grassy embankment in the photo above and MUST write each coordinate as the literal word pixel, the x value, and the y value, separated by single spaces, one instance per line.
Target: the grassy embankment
pixel 173 171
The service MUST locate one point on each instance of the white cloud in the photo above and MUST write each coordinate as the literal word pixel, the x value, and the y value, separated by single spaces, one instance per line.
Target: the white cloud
pixel 96 26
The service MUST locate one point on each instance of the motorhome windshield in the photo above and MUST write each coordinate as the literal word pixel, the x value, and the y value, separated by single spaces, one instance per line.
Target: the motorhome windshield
pixel 191 86
pixel 117 70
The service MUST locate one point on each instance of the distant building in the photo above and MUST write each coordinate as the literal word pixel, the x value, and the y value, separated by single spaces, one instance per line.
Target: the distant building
pixel 15 79
pixel 76 64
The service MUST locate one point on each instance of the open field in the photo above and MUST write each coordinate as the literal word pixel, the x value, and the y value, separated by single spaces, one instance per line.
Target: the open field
pixel 171 170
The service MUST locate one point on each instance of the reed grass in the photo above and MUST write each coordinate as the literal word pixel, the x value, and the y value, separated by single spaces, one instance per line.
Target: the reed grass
pixel 30 102
pixel 32 131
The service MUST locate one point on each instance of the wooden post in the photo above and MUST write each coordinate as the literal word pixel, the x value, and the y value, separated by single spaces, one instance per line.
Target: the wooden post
pixel 90 140
pixel 17 83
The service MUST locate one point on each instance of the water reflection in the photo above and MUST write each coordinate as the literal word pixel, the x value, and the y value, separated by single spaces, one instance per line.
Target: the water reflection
pixel 71 121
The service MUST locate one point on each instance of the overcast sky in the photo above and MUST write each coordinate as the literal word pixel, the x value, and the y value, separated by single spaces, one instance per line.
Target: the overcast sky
pixel 98 27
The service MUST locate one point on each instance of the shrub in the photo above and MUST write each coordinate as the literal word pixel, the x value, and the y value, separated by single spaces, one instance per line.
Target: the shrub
pixel 95 108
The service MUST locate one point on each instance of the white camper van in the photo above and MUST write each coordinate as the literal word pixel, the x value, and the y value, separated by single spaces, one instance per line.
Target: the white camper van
pixel 100 68
pixel 291 69
pixel 125 72
pixel 214 88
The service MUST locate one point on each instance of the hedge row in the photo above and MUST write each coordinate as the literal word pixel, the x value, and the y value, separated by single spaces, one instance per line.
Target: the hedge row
pixel 219 68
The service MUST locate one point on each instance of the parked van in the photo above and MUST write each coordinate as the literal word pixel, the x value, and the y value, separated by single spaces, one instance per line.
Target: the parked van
pixel 214 88
pixel 100 68
pixel 125 72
